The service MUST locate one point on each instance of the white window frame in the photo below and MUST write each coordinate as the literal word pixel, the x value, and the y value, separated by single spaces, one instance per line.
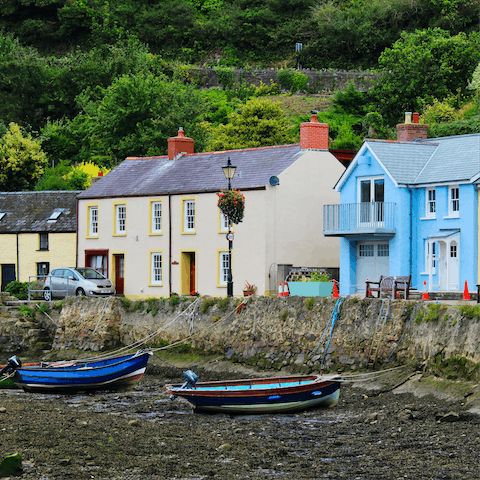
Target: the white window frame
pixel 223 265
pixel 156 266
pixel 189 215
pixel 121 219
pixel 93 221
pixel 454 201
pixel 156 217
pixel 223 222
pixel 430 202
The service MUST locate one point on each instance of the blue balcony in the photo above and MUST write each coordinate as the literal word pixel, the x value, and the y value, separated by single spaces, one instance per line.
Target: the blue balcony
pixel 348 219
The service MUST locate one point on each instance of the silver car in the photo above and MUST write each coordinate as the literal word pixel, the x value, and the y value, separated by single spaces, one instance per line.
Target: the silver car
pixel 63 282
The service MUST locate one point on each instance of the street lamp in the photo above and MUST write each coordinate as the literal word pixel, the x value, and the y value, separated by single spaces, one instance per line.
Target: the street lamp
pixel 229 172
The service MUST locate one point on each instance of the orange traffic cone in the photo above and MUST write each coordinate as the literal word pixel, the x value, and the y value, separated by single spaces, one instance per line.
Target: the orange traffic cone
pixel 335 290
pixel 280 290
pixel 286 293
pixel 466 295
pixel 425 293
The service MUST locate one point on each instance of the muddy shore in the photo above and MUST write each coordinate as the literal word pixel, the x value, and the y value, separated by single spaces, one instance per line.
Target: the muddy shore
pixel 141 434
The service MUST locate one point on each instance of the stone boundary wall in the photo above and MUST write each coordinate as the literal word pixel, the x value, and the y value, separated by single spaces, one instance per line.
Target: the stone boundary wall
pixel 318 81
pixel 270 333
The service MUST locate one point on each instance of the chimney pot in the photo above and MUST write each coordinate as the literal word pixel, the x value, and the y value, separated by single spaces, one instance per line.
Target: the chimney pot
pixel 415 117
pixel 180 144
pixel 313 134
pixel 408 117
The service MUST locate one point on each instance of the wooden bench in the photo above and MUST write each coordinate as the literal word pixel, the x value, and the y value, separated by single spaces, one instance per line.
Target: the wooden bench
pixel 388 285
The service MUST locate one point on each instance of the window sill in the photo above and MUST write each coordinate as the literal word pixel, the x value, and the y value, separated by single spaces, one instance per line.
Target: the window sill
pixel 451 217
pixel 188 233
pixel 426 273
pixel 428 218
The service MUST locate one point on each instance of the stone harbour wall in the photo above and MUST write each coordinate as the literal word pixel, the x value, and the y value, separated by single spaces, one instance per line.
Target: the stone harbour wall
pixel 268 332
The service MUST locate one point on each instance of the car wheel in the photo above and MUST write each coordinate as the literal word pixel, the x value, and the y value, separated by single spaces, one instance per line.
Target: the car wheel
pixel 80 292
pixel 47 295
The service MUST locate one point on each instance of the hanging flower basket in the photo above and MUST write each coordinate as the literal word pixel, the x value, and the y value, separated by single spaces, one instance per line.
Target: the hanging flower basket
pixel 232 204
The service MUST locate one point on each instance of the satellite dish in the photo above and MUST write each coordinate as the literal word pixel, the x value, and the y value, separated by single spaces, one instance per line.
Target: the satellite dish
pixel 274 181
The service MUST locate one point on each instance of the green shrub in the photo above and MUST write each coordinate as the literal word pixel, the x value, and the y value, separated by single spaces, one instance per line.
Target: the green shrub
pixel 284 315
pixel 43 308
pixel 18 289
pixel 319 276
pixel 153 306
pixel 174 299
pixel 470 311
pixel 223 304
pixel 27 311
pixel 207 303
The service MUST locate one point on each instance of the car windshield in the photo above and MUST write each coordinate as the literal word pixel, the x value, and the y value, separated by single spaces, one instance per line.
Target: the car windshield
pixel 90 273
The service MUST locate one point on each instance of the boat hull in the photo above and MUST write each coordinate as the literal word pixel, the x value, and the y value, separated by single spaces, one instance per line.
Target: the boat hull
pixel 118 373
pixel 277 395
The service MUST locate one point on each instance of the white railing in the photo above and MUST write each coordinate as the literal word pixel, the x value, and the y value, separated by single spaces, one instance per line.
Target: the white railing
pixel 358 217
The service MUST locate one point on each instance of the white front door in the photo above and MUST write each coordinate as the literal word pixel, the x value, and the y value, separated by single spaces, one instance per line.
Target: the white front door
pixel 372 262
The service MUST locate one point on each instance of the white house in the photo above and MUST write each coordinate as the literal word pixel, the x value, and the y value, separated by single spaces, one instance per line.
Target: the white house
pixel 153 225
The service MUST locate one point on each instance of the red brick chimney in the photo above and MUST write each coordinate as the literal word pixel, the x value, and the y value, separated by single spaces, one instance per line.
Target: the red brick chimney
pixel 180 144
pixel 408 131
pixel 314 135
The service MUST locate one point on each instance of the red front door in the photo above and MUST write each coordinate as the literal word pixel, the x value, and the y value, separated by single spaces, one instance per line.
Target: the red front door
pixel 119 273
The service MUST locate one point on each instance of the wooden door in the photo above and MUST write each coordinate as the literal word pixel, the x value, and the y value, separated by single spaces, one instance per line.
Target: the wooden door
pixel 8 275
pixel 119 273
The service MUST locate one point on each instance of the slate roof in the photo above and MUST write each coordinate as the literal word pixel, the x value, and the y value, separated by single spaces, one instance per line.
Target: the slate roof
pixel 29 212
pixel 194 173
pixel 435 160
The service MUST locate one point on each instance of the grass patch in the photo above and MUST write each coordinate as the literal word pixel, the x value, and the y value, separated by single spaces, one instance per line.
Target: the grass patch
pixel 174 299
pixel 153 306
pixel 432 313
pixel 309 302
pixel 284 315
pixel 456 368
pixel 470 311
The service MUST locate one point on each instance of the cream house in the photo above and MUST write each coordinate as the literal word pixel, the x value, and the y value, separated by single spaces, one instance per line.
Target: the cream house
pixel 37 233
pixel 153 225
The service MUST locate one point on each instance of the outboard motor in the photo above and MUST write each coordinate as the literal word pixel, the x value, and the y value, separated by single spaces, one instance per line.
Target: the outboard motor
pixel 191 378
pixel 12 364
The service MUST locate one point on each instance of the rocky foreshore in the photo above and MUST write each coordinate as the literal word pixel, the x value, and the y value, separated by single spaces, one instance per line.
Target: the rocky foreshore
pixel 373 433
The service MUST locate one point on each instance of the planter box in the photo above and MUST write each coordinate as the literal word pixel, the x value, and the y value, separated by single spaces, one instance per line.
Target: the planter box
pixel 310 289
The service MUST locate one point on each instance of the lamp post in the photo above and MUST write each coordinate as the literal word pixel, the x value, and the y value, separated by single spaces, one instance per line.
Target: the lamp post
pixel 229 172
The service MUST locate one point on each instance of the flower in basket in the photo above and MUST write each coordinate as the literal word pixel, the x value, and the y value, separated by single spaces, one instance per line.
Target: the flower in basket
pixel 249 287
pixel 232 204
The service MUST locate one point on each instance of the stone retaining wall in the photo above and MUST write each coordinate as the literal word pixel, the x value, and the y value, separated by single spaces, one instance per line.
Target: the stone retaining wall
pixel 268 332
pixel 318 81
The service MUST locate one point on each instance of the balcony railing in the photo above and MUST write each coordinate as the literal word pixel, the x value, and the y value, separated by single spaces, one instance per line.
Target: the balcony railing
pixel 359 218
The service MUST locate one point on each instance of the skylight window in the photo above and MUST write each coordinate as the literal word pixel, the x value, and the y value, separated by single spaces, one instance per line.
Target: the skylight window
pixel 54 216
pixel 2 214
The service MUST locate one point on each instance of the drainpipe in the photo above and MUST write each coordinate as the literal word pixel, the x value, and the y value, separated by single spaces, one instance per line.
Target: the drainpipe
pixel 170 244
pixel 18 260
pixel 411 233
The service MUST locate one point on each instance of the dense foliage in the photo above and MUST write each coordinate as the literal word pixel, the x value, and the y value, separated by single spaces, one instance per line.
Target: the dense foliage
pixel 96 81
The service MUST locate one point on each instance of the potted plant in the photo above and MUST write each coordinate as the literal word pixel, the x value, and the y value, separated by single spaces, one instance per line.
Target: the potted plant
pixel 232 204
pixel 317 285
pixel 249 289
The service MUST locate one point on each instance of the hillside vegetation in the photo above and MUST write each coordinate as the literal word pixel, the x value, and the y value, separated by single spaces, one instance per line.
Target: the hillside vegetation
pixel 91 82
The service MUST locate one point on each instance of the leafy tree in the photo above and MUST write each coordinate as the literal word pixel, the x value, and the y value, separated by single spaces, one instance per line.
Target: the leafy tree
pixel 22 160
pixel 259 123
pixel 135 116
pixel 62 177
pixel 421 66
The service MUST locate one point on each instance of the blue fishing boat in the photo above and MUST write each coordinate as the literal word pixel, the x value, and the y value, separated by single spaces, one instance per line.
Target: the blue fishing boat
pixel 261 395
pixel 115 373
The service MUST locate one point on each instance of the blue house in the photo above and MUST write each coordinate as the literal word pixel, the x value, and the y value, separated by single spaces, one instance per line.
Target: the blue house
pixel 409 207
